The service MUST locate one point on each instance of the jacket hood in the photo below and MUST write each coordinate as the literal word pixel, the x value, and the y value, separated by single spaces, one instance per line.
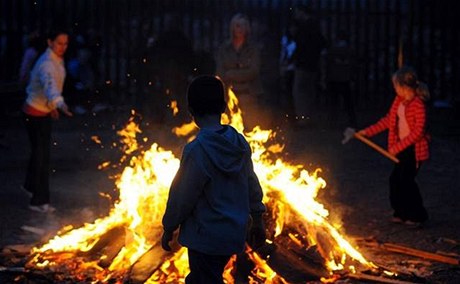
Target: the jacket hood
pixel 226 149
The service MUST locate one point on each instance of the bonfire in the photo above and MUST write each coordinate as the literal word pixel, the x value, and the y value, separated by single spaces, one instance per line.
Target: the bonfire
pixel 125 245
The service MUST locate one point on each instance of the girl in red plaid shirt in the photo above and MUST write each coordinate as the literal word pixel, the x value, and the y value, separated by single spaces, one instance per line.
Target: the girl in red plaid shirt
pixel 409 142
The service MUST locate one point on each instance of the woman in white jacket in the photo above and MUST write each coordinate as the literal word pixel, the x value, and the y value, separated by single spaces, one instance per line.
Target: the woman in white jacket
pixel 43 102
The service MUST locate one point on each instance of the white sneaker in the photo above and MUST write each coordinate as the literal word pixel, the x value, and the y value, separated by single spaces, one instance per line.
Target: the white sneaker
pixel 413 224
pixel 397 220
pixel 45 208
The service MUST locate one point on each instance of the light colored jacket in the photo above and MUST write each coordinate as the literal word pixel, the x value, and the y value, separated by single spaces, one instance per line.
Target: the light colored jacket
pixel 240 70
pixel 214 193
pixel 44 92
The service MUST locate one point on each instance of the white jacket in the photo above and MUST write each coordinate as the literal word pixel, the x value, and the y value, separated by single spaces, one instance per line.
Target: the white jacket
pixel 44 92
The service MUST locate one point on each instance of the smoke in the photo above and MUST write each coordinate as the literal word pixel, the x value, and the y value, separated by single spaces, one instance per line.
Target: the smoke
pixel 42 227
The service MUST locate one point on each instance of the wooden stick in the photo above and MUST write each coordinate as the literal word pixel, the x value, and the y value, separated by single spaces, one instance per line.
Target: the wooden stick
pixel 376 147
pixel 420 253
pixel 378 279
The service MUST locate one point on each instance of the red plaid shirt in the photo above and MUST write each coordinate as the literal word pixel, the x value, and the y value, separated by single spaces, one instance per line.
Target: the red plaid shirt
pixel 416 119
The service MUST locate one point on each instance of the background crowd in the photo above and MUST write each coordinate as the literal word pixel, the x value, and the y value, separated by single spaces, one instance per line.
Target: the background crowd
pixel 126 56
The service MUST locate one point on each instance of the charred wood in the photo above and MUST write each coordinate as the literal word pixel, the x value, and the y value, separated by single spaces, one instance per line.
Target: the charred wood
pixel 419 253
pixel 377 279
pixel 150 262
pixel 293 266
pixel 111 248
pixel 106 241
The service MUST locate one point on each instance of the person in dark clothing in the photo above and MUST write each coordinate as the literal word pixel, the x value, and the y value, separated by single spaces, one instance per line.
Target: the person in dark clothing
pixel 215 195
pixel 339 74
pixel 171 59
pixel 309 44
pixel 36 45
pixel 81 80
pixel 287 70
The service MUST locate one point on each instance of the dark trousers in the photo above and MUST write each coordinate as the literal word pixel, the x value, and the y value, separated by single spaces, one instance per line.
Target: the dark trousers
pixel 286 99
pixel 37 177
pixel 405 195
pixel 205 268
pixel 304 92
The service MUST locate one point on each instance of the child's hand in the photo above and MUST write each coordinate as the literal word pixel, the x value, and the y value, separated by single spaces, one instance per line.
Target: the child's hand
pixel 256 238
pixel 65 109
pixel 256 235
pixel 165 239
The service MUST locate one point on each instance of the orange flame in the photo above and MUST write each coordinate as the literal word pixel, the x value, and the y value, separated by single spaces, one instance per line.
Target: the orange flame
pixel 143 190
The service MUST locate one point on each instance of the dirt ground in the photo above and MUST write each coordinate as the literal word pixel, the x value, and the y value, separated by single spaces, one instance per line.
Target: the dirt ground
pixel 356 176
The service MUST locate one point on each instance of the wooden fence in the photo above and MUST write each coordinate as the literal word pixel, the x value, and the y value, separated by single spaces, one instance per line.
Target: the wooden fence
pixel 420 33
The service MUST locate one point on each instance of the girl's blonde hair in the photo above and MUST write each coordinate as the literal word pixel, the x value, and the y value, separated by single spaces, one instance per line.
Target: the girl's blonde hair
pixel 243 20
pixel 406 76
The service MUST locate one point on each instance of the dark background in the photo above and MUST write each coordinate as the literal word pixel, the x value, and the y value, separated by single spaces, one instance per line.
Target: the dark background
pixel 384 34
pixel 423 33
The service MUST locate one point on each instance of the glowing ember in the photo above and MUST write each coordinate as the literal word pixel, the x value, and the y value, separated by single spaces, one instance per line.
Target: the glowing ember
pixel 96 139
pixel 143 190
pixel 174 107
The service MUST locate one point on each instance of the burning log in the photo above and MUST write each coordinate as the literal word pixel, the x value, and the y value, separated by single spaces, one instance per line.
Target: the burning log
pixel 290 254
pixel 78 265
pixel 110 246
pixel 295 266
pixel 150 262
pixel 16 250
pixel 107 243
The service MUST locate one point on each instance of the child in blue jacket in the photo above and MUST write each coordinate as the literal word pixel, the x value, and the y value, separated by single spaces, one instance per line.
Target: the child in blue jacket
pixel 215 195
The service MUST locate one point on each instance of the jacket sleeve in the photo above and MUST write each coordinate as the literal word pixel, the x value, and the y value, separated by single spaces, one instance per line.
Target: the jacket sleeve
pixel 378 127
pixel 383 123
pixel 184 192
pixel 417 130
pixel 48 80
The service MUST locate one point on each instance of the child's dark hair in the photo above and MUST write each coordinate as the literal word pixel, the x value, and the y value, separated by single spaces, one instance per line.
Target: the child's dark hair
pixel 205 95
pixel 406 76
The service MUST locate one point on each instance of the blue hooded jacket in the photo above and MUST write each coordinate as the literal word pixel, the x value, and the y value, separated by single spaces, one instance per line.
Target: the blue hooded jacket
pixel 213 193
